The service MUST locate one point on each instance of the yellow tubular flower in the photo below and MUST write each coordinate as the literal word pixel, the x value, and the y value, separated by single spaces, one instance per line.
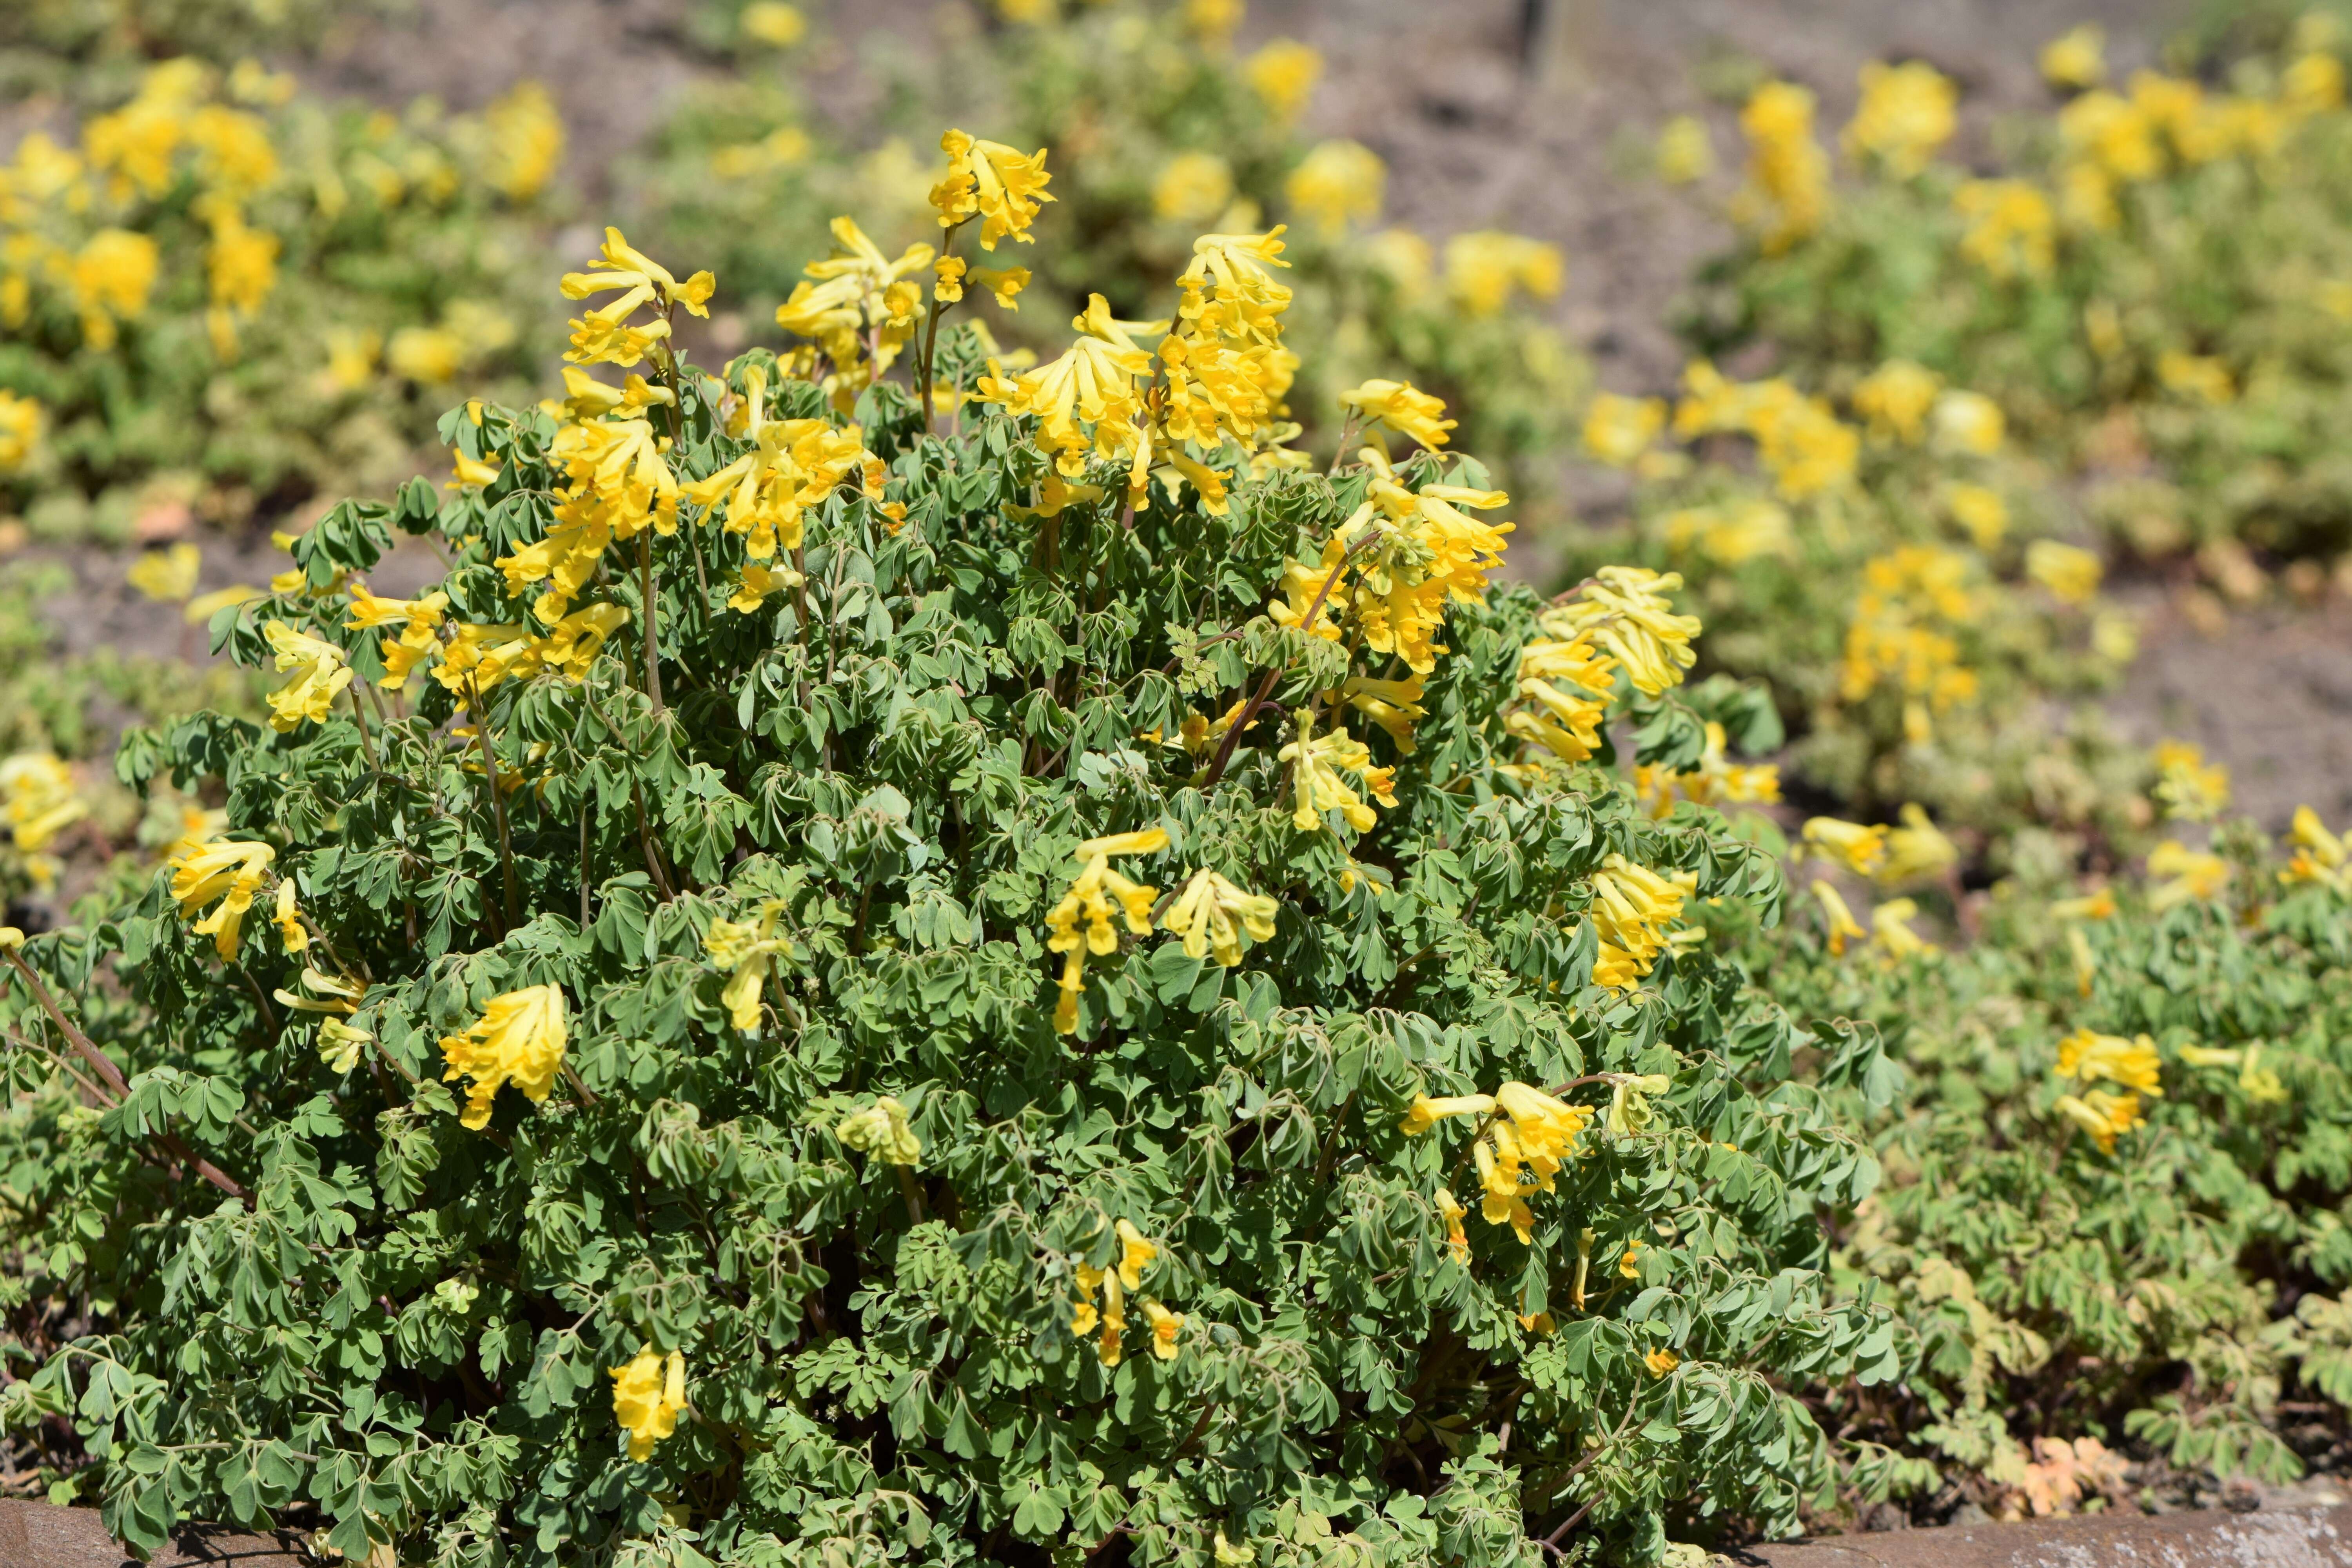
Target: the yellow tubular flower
pixel 1427 1112
pixel 229 872
pixel 2069 572
pixel 290 929
pixel 746 952
pixel 1544 1129
pixel 1916 849
pixel 1167 1327
pixel 322 675
pixel 882 1131
pixel 1393 705
pixel 649 1396
pixel 1891 929
pixel 1632 907
pixel 1193 187
pixel 1136 1252
pixel 1629 1266
pixel 1090 897
pixel 1787 194
pixel 1317 785
pixel 2087 1057
pixel 1571 682
pixel 520 1038
pixel 2076 59
pixel 166 576
pixel 20 431
pixel 38 800
pixel 1402 407
pixel 2105 1116
pixel 993 183
pixel 1337 184
pixel 1838 919
pixel 1860 849
pixel 1896 399
pixel 1498 1175
pixel 2086 962
pixel 640 280
pixel 1618 430
pixel 1661 1362
pixel 1450 1210
pixel 1211 914
pixel 1626 610
pixel 2319 856
pixel 2189 875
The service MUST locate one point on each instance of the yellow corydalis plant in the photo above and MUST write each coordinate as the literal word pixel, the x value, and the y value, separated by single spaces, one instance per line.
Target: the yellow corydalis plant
pixel 1211 914
pixel 1317 762
pixel 883 1131
pixel 746 950
pixel 602 334
pixel 1090 899
pixel 992 183
pixel 1122 1278
pixel 519 1039
pixel 228 876
pixel 1632 907
pixel 649 1396
pixel 320 673
pixel 1529 1135
pixel 2087 1057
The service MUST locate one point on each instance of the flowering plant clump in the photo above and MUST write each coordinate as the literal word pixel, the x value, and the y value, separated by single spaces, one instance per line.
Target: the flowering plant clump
pixel 219 297
pixel 2148 287
pixel 869 977
pixel 2113 1211
pixel 1183 134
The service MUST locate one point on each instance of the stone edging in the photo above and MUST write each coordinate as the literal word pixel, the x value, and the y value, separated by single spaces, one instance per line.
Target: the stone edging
pixel 2315 1538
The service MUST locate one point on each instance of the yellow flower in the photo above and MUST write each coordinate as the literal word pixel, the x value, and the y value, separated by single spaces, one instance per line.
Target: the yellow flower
pixel 526 139
pixel 1895 398
pixel 230 872
pixel 1502 1202
pixel 2076 59
pixel 1316 782
pixel 1982 512
pixel 1661 1362
pixel 311 694
pixel 1787 194
pixel 1136 1252
pixel 1402 407
pixel 1917 848
pixel 166 576
pixel 1004 283
pixel 1618 430
pixel 290 929
pixel 2311 84
pixel 2088 1058
pixel 882 1131
pixel 471 473
pixel 1427 1112
pixel 1632 906
pixel 1626 611
pixel 1283 74
pixel 1337 184
pixel 1450 1210
pixel 2086 962
pixel 993 183
pixel 1906 113
pixel 1483 268
pixel 1740 531
pixel 1716 781
pixel 746 950
pixel 430 355
pixel 2319 856
pixel 1891 929
pixel 2200 378
pixel 1193 187
pixel 1686 154
pixel 2192 875
pixel 649 1396
pixel 2190 788
pixel 112 277
pixel 1393 705
pixel 1968 422
pixel 1859 849
pixel 1094 382
pixel 38 799
pixel 1211 914
pixel 1544 1130
pixel 1629 1266
pixel 1166 1328
pixel 2069 572
pixel 20 431
pixel 1842 927
pixel 2012 230
pixel 2105 1116
pixel 518 1039
pixel 772 23
pixel 640 280
pixel 1090 897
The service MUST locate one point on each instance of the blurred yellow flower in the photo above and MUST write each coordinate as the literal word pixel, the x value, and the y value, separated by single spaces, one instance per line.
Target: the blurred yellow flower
pixel 1906 111
pixel 2190 788
pixel 1337 183
pixel 526 135
pixel 2070 572
pixel 2088 1058
pixel 2200 378
pixel 1484 267
pixel 20 431
pixel 167 576
pixel 1916 849
pixel 882 1131
pixel 1618 430
pixel 1979 511
pixel 1895 399
pixel 1839 925
pixel 1787 194
pixel 772 23
pixel 1968 422
pixel 1193 187
pixel 2105 1116
pixel 2077 58
pixel 1859 847
pixel 1416 414
pixel 1283 74
pixel 2012 230
pixel 2188 875
pixel 1686 153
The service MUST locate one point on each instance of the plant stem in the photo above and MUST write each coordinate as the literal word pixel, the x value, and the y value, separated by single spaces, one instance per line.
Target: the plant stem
pixel 652 647
pixel 498 802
